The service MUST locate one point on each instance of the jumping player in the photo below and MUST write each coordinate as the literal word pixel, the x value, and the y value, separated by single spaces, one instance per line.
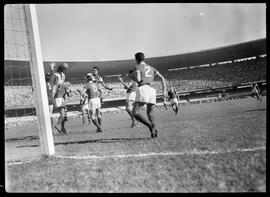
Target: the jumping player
pixel 255 91
pixel 93 101
pixel 131 94
pixel 59 92
pixel 145 94
pixel 174 99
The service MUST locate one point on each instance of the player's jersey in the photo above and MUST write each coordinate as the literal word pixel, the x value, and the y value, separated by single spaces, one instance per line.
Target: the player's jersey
pixel 172 94
pixel 147 73
pixel 91 90
pixel 98 79
pixel 133 87
pixel 58 78
pixel 62 90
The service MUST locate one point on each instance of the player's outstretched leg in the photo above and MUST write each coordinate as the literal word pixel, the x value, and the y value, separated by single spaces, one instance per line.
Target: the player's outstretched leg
pixel 138 115
pixel 151 116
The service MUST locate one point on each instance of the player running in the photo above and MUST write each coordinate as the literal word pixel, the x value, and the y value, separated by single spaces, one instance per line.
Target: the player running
pixel 145 94
pixel 174 99
pixel 60 90
pixel 93 101
pixel 255 91
pixel 131 94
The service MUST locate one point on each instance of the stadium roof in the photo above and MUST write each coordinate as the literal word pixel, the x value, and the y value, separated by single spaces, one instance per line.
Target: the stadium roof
pixel 227 53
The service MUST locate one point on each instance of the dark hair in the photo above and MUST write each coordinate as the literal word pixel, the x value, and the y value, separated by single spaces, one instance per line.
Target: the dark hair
pixel 139 56
pixel 130 71
pixel 95 67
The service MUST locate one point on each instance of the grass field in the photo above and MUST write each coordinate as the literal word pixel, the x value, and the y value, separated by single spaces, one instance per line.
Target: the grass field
pixel 210 147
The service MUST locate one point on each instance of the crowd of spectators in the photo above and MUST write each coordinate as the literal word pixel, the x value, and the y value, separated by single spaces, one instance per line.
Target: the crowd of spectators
pixel 182 81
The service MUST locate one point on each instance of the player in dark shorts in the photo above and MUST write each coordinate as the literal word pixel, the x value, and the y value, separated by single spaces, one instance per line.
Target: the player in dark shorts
pixel 145 93
pixel 93 101
pixel 131 94
pixel 174 99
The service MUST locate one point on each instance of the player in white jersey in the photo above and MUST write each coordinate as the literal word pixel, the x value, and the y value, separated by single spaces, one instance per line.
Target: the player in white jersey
pixel 60 90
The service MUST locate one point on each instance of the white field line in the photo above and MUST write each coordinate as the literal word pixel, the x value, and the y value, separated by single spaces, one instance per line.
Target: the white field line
pixel 193 152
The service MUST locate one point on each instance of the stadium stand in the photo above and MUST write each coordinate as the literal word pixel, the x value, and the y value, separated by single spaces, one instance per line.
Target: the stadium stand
pixel 182 80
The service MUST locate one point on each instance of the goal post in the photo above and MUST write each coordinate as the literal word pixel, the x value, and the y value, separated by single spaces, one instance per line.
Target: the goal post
pixel 38 80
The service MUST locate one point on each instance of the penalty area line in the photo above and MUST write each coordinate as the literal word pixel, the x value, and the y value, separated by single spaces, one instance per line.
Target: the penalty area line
pixel 193 152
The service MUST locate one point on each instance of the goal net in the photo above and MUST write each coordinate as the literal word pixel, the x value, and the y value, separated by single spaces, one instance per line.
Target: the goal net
pixel 24 82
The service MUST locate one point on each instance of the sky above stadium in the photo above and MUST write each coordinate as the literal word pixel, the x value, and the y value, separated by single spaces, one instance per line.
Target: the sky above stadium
pixel 96 32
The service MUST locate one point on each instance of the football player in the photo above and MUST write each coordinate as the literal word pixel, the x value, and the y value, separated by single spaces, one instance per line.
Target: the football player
pixel 84 105
pixel 93 101
pixel 131 94
pixel 60 90
pixel 255 91
pixel 145 93
pixel 174 99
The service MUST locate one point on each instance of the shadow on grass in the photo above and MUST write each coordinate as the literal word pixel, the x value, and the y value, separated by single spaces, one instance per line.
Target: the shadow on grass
pixel 255 110
pixel 113 140
pixel 22 138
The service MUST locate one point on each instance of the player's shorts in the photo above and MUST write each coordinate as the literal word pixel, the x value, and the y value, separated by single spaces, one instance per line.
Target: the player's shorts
pixel 60 102
pixel 173 101
pixel 131 96
pixel 145 94
pixel 94 103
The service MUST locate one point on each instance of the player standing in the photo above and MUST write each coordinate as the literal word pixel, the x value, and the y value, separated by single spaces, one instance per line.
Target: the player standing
pixel 98 80
pixel 174 99
pixel 145 94
pixel 93 101
pixel 131 94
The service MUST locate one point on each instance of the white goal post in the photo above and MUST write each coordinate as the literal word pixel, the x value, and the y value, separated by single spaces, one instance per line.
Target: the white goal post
pixel 38 79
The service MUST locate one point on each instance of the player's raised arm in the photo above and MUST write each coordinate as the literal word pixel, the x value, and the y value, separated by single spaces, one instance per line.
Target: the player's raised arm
pixel 124 84
pixel 104 85
pixel 52 64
